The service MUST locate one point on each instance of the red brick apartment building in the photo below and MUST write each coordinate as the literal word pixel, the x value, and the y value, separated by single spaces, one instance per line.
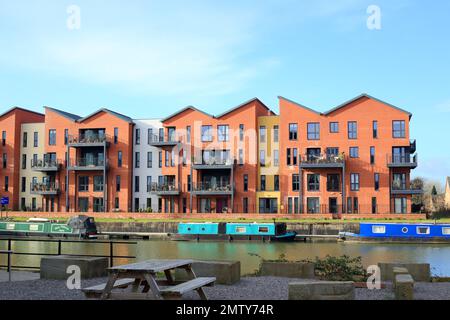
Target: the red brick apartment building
pixel 354 159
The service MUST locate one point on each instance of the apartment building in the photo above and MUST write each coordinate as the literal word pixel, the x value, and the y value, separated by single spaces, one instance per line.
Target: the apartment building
pixel 146 169
pixel 354 158
pixel 209 163
pixel 33 183
pixel 10 149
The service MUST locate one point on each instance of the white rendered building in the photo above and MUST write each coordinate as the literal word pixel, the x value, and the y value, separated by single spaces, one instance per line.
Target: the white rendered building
pixel 146 166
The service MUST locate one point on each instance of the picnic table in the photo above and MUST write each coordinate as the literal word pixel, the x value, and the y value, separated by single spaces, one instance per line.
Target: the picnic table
pixel 142 277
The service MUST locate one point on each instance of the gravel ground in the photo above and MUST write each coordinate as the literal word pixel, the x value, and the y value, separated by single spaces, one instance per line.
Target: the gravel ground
pixel 249 288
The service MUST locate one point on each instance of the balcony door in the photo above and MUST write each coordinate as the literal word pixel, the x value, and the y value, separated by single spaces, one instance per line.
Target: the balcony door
pixel 400 154
pixel 312 153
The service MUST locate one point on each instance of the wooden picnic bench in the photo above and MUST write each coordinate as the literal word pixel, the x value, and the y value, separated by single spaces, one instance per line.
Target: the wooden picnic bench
pixel 142 277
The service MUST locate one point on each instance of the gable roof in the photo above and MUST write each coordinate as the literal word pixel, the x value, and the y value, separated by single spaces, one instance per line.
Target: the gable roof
pixel 242 105
pixel 21 109
pixel 365 95
pixel 70 116
pixel 183 110
pixel 116 114
pixel 299 105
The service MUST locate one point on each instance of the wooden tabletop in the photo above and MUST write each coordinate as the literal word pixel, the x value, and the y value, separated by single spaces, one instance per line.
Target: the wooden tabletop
pixel 152 266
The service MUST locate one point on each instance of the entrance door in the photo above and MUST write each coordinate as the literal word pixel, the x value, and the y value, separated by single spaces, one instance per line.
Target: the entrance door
pixel 332 205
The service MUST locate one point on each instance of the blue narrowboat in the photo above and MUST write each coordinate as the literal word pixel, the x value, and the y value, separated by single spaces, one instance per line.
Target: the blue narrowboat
pixel 234 231
pixel 404 232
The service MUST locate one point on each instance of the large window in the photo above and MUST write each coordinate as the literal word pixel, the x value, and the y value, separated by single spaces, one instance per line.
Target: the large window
pixel 207 134
pixel 398 129
pixel 352 130
pixel 354 152
pixel 313 205
pixel 268 205
pixel 313 131
pixel 295 182
pixel 333 183
pixel 98 183
pixel 83 183
pixel 334 127
pixel 400 205
pixel 293 130
pixel 52 137
pixel 222 133
pixel 354 182
pixel 313 182
pixel 98 205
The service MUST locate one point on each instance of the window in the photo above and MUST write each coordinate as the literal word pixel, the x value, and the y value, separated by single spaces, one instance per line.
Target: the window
pixel 241 132
pixel 374 205
pixel 276 183
pixel 354 152
pixel 66 136
pixel 138 136
pixel 352 130
pixel 275 133
pixel 240 229
pixel 98 205
pixel 313 130
pixel 136 183
pixel 116 203
pixel 398 129
pixel 188 134
pixel 313 205
pixel 263 229
pixel 355 205
pixel 289 205
pixel 262 134
pixel 294 156
pixel 354 182
pixel 161 135
pixel 349 205
pixel 149 159
pixel 24 161
pixel 295 182
pixel 116 135
pixel 313 182
pixel 293 129
pixel 245 205
pixel 288 156
pixel 149 184
pixel 276 158
pixel 375 129
pixel 150 138
pixel 25 139
pixel 245 182
pixel 3 138
pixel 379 229
pixel 149 203
pixel 262 158
pixel 372 155
pixel 241 157
pixel 160 159
pixel 137 159
pixel 35 139
pixel 263 183
pixel 4 160
pixel 172 158
pixel 171 133
pixel 6 183
pixel 400 205
pixel 334 127
pixel 24 184
pixel 119 159
pixel 207 134
pixel 222 133
pixel 446 231
pixel 83 183
pixel 376 181
pixel 333 182
pixel 117 183
pixel 166 158
pixel 423 230
pixel 52 137
pixel 332 152
pixel 98 183
pixel 189 182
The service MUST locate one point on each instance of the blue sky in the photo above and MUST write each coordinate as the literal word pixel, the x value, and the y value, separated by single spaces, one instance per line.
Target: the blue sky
pixel 151 58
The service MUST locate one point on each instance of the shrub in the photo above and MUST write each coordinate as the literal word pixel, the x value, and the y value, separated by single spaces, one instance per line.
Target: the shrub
pixel 343 268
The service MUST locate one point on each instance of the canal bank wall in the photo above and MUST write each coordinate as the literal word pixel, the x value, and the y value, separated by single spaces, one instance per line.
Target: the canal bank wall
pixel 325 228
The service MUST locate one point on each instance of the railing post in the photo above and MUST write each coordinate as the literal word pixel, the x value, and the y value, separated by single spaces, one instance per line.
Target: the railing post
pixel 59 247
pixel 9 259
pixel 111 254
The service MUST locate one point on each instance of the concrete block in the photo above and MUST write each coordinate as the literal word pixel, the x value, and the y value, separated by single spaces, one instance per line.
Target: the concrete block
pixel 304 270
pixel 321 290
pixel 404 288
pixel 225 272
pixel 56 267
pixel 419 271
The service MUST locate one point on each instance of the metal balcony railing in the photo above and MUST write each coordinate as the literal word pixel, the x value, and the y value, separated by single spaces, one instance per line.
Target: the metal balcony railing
pixel 88 138
pixel 214 161
pixel 44 188
pixel 400 160
pixel 322 159
pixel 45 164
pixel 88 162
pixel 164 187
pixel 402 187
pixel 209 186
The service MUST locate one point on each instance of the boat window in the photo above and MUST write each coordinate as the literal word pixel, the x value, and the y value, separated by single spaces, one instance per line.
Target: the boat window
pixel 263 229
pixel 405 230
pixel 10 226
pixel 423 230
pixel 34 227
pixel 446 230
pixel 241 229
pixel 379 229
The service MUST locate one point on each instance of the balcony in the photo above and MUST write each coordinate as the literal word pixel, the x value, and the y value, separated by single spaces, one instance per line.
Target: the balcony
pixel 402 160
pixel 212 189
pixel 88 164
pixel 162 141
pixel 88 140
pixel 45 189
pixel 45 165
pixel 400 187
pixel 322 161
pixel 165 189
pixel 412 146
pixel 213 163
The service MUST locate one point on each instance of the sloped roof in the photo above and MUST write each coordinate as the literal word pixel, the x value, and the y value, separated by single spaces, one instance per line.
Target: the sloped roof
pixel 116 114
pixel 242 105
pixel 299 105
pixel 185 109
pixel 19 108
pixel 70 116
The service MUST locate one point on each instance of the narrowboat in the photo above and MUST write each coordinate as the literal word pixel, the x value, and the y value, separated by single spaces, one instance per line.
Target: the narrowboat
pixel 234 231
pixel 78 226
pixel 400 232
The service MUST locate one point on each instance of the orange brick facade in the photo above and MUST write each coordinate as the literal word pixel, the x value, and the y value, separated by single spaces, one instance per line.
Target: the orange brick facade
pixel 210 163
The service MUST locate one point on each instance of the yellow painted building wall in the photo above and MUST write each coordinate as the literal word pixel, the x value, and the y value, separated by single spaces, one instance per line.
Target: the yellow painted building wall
pixel 27 173
pixel 270 146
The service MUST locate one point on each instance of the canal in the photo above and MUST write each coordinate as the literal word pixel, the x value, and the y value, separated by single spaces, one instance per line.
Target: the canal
pixel 438 255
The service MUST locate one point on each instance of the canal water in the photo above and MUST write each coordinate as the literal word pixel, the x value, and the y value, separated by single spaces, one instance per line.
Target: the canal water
pixel 438 255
